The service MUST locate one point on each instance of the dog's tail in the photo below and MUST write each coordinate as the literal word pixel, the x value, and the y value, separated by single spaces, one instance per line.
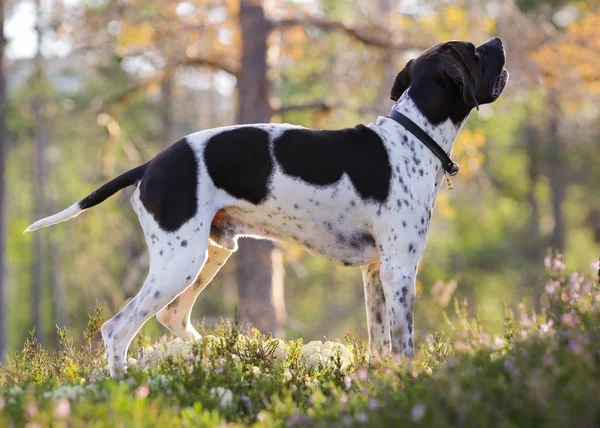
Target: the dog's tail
pixel 96 197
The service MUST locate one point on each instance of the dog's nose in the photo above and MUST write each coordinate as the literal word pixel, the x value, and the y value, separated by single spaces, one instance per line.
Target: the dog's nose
pixel 494 41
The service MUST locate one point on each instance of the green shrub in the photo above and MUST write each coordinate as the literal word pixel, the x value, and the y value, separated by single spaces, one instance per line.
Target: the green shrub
pixel 543 371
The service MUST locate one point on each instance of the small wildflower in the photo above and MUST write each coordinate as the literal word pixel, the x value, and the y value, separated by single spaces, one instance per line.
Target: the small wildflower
pixel 418 412
pixel 373 404
pixel 551 287
pixel 547 326
pixel 362 375
pixel 343 398
pixel 575 347
pixel 32 409
pixel 569 319
pixel 362 418
pixel 498 343
pixel 142 391
pixel 261 416
pixel 347 382
pixel 62 409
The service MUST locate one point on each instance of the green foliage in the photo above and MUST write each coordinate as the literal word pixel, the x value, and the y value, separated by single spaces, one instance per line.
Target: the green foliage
pixel 544 370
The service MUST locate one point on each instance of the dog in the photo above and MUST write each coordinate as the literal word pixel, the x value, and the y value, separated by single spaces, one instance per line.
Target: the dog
pixel 360 197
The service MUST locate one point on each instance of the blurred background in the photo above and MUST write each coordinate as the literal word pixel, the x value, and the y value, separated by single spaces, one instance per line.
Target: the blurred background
pixel 92 88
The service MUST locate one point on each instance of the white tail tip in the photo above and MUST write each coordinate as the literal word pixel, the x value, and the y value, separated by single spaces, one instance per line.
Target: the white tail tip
pixel 65 215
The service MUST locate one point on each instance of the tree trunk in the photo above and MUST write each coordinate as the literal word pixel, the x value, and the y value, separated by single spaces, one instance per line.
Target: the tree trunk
pixel 533 171
pixel 254 264
pixel 40 136
pixel 166 117
pixel 556 176
pixel 387 64
pixel 3 153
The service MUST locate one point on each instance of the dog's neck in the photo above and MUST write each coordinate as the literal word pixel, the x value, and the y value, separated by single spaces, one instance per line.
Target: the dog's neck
pixel 443 133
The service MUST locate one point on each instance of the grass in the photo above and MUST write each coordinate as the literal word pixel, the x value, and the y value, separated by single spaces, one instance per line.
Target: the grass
pixel 543 371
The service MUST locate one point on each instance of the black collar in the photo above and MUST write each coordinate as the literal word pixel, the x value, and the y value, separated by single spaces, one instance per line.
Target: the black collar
pixel 450 167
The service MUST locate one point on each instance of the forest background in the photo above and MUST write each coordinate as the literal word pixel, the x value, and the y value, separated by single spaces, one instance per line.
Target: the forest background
pixel 92 88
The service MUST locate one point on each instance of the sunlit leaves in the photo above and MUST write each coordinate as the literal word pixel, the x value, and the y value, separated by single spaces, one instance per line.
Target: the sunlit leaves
pixel 568 64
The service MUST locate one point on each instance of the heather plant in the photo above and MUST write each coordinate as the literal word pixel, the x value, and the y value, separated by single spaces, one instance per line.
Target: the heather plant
pixel 544 370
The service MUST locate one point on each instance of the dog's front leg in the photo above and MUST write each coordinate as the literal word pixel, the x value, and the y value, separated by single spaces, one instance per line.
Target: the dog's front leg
pixel 398 278
pixel 378 323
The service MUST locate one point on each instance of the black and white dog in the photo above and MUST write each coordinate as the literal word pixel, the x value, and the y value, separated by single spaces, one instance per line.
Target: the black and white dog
pixel 360 197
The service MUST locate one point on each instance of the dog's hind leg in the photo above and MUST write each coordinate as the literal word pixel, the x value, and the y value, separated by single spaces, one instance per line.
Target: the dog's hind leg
pixel 176 315
pixel 377 315
pixel 174 265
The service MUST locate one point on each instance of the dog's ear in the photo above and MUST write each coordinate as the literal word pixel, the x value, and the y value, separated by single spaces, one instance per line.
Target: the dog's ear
pixel 460 78
pixel 402 81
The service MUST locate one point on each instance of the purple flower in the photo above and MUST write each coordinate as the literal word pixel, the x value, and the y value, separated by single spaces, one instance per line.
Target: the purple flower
pixel 362 375
pixel 347 382
pixel 373 404
pixel 569 319
pixel 575 347
pixel 551 287
pixel 418 412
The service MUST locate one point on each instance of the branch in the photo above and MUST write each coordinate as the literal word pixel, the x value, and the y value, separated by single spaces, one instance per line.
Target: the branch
pixel 124 96
pixel 227 65
pixel 324 106
pixel 361 34
pixel 321 105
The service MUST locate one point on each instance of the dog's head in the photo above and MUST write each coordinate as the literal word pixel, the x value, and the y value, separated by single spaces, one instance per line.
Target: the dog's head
pixel 451 78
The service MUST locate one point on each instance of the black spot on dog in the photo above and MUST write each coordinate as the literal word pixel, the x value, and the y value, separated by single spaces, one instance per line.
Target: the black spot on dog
pixel 239 162
pixel 362 239
pixel 378 317
pixel 157 294
pixel 322 157
pixel 161 252
pixel 188 278
pixel 144 314
pixel 168 187
pixel 184 243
